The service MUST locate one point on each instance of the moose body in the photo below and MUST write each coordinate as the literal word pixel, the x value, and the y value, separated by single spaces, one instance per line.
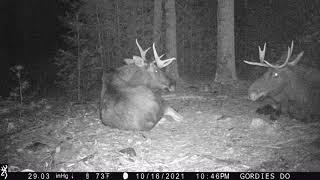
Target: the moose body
pixel 289 88
pixel 131 108
pixel 129 97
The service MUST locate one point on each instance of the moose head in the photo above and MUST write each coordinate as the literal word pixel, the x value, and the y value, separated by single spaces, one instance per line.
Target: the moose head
pixel 277 78
pixel 141 72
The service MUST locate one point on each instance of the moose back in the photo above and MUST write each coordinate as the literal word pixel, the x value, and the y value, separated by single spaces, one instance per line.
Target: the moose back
pixel 290 87
pixel 129 97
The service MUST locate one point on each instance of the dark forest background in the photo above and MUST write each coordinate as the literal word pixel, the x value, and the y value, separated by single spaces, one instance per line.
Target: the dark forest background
pixel 40 35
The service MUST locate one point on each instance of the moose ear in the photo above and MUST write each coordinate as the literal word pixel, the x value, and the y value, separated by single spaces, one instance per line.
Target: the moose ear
pixel 128 61
pixel 138 61
pixel 296 60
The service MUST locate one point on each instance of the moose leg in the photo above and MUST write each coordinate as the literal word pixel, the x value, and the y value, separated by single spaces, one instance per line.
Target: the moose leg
pixel 266 109
pixel 280 105
pixel 270 106
pixel 276 113
pixel 170 112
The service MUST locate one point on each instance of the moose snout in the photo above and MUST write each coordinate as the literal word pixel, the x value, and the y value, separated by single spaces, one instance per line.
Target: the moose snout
pixel 255 95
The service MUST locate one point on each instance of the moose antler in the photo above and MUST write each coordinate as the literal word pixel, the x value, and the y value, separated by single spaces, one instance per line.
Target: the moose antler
pixel 285 62
pixel 262 53
pixel 137 60
pixel 265 63
pixel 261 57
pixel 142 52
pixel 161 63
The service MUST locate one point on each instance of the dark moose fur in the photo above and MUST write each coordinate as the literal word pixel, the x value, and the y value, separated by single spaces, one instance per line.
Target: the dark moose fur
pixel 129 97
pixel 293 89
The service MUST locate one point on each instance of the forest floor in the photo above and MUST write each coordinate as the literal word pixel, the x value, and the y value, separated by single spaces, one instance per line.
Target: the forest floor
pixel 220 131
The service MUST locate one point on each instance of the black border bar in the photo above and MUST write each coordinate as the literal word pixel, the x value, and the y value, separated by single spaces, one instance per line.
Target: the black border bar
pixel 162 175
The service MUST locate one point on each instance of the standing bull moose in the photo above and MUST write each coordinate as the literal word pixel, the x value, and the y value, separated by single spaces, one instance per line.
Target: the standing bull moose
pixel 129 96
pixel 291 88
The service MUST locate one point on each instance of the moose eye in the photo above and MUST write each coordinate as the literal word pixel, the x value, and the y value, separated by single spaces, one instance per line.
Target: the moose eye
pixel 275 74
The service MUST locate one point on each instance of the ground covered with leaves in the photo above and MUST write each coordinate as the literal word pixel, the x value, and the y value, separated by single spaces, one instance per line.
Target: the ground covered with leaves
pixel 220 132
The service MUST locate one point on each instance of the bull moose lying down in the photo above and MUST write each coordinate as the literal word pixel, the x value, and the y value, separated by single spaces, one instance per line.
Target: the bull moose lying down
pixel 289 87
pixel 130 99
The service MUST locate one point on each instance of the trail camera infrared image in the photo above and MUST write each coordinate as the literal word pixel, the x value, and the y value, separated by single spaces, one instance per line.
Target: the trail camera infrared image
pixel 159 86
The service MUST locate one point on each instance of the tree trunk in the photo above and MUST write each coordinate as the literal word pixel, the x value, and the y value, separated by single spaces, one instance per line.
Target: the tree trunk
pixel 78 59
pixel 157 22
pixel 225 71
pixel 117 52
pixel 132 24
pixel 171 37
